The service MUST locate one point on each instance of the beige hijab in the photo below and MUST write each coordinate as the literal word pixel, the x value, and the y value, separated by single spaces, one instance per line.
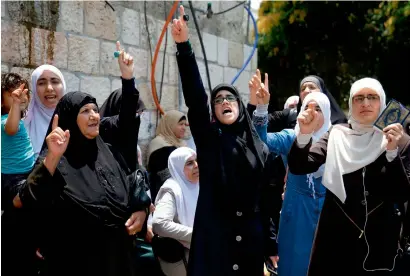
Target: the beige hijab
pixel 165 136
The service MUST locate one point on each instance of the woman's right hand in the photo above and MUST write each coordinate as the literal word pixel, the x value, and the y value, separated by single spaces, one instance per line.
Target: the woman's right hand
pixel 179 27
pixel 308 120
pixel 57 140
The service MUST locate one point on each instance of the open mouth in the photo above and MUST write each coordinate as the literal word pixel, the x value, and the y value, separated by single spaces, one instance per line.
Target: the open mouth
pixel 227 110
pixel 50 98
pixel 93 125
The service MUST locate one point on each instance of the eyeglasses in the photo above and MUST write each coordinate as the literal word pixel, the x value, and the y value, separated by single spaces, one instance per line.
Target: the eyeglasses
pixel 360 99
pixel 229 98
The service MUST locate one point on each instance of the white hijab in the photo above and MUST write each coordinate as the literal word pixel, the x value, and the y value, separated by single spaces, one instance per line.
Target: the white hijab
pixel 323 101
pixel 349 150
pixel 39 116
pixel 291 100
pixel 185 192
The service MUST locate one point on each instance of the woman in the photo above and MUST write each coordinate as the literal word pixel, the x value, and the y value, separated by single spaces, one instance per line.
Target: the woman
pixel 292 102
pixel 304 195
pixel 231 230
pixel 48 87
pixel 110 110
pixel 90 205
pixel 176 204
pixel 170 135
pixel 365 176
pixel 279 120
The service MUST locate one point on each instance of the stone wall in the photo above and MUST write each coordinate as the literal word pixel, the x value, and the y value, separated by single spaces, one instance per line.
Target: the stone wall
pixel 79 38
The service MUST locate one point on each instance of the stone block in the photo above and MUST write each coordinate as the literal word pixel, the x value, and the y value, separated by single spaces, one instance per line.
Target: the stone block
pixel 173 73
pixel 223 56
pixel 72 16
pixel 25 73
pixel 100 21
pixel 247 50
pixel 147 127
pixel 72 81
pixel 130 27
pixel 15 41
pixel 115 84
pixel 235 54
pixel 141 60
pixel 48 47
pixel 3 9
pixel 152 28
pixel 42 14
pixel 83 54
pixel 4 68
pixel 196 45
pixel 145 94
pixel 158 68
pixel 202 72
pixel 211 47
pixel 99 87
pixel 255 61
pixel 108 63
pixel 242 82
pixel 217 74
pixel 169 100
pixel 229 74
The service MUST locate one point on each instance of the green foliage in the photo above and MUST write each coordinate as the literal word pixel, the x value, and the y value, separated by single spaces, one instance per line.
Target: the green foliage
pixel 339 41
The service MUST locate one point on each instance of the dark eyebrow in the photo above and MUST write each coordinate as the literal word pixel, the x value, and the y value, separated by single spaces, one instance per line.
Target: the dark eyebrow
pixel 53 78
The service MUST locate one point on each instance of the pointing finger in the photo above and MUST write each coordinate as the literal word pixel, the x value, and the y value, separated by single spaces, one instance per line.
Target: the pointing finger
pixel 266 80
pixel 181 12
pixel 55 122
pixel 118 46
pixel 258 74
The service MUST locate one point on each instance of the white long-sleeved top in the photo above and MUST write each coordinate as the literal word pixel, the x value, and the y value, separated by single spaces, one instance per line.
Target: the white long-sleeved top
pixel 165 221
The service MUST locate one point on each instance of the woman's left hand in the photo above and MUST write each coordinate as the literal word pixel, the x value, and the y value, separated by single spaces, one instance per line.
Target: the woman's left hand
pixel 126 62
pixel 393 134
pixel 135 222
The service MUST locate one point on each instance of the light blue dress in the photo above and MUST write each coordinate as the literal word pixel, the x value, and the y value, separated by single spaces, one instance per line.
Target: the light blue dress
pixel 301 208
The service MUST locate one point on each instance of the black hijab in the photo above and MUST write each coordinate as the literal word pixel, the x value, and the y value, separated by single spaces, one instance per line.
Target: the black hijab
pixel 112 104
pixel 242 154
pixel 337 115
pixel 94 181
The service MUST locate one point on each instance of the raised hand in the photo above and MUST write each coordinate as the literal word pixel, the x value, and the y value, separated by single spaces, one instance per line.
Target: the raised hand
pixel 19 95
pixel 263 95
pixel 179 27
pixel 57 140
pixel 308 120
pixel 126 62
pixel 393 134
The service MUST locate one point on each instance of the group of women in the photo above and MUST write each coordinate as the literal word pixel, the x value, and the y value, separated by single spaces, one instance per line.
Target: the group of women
pixel 84 203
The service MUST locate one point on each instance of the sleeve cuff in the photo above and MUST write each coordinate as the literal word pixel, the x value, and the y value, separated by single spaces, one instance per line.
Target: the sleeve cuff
pixel 128 83
pixel 391 154
pixel 303 139
pixel 184 47
pixel 261 110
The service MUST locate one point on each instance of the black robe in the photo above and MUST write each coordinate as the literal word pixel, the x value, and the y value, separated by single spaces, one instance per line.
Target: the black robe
pixel 338 247
pixel 232 232
pixel 85 204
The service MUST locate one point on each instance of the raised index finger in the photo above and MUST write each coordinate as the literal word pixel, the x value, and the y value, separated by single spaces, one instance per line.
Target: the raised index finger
pixel 181 12
pixel 118 46
pixel 266 80
pixel 21 87
pixel 55 122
